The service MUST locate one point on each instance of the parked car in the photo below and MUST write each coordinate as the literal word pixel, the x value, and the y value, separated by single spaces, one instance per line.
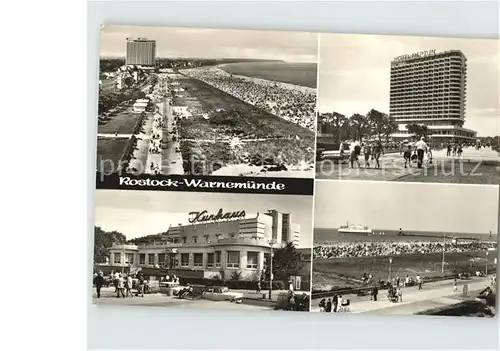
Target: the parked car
pixel 221 293
pixel 335 151
pixel 173 287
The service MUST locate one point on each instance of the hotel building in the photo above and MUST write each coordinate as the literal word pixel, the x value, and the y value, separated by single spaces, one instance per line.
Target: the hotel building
pixel 429 88
pixel 209 248
pixel 141 52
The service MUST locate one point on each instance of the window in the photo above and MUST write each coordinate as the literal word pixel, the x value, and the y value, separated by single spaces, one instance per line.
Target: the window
pixel 142 258
pixel 118 258
pixel 195 239
pixel 198 260
pixel 217 259
pixel 184 259
pixel 252 260
pixel 233 259
pixel 232 235
pixel 184 240
pixel 151 258
pixel 161 258
pixel 130 258
pixel 218 236
pixel 207 238
pixel 210 260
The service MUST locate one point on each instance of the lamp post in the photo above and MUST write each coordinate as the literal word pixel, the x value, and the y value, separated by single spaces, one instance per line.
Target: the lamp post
pixel 486 269
pixel 271 243
pixel 442 260
pixel 390 269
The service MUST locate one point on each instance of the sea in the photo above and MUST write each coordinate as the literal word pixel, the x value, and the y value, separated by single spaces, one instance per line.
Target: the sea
pixel 303 74
pixel 324 236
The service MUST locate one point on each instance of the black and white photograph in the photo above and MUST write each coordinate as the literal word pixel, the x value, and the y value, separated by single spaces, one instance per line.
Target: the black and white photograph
pixel 389 248
pixel 202 250
pixel 408 109
pixel 192 101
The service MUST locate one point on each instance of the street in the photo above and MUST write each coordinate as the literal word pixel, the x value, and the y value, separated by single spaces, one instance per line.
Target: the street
pixel 432 295
pixel 108 297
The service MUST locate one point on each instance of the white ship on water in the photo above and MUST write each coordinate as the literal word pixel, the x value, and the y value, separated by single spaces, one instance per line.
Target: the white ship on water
pixel 353 228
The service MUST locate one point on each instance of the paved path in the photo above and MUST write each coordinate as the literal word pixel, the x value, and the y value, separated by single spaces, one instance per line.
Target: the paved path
pixel 106 135
pixel 470 154
pixel 437 294
pixel 443 169
pixel 172 159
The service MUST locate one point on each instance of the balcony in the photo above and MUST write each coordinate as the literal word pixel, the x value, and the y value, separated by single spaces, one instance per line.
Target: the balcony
pixel 244 241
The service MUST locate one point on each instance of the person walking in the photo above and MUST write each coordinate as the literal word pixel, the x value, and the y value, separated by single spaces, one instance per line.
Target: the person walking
pixel 339 303
pixel 140 288
pixel 455 288
pixel 328 305
pixel 377 151
pixel 322 305
pixel 400 293
pixel 407 156
pixel 367 150
pixel 421 149
pixel 375 293
pixel 128 286
pixel 419 282
pixel 355 152
pixel 98 282
pixel 120 287
pixel 335 303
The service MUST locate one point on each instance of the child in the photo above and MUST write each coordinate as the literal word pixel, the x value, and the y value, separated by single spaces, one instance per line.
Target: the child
pixel 407 156
pixel 429 155
pixel 368 153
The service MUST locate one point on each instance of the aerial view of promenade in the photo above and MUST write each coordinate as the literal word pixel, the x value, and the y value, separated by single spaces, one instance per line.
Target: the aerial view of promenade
pixel 211 102
pixel 405 249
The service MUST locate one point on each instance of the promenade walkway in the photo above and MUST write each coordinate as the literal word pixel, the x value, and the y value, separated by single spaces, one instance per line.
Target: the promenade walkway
pixel 432 295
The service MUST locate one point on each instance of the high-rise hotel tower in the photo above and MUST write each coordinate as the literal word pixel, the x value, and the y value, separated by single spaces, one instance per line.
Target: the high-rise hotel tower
pixel 141 52
pixel 429 88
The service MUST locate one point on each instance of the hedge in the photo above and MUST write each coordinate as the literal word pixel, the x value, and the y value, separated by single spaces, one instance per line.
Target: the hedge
pixel 127 153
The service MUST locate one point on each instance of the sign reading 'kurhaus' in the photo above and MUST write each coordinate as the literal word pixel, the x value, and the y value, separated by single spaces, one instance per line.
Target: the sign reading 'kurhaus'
pixel 203 216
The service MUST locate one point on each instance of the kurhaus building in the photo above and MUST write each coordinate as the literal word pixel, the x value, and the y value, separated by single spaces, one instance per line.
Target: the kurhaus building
pixel 213 245
pixel 429 88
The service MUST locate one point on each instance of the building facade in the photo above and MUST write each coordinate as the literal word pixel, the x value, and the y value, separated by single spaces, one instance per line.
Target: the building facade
pixel 213 245
pixel 141 52
pixel 429 88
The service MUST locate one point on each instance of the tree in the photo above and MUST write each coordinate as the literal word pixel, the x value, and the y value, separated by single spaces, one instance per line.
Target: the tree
pixel 417 130
pixel 359 124
pixel 286 262
pixel 333 123
pixel 103 241
pixel 377 121
pixel 389 127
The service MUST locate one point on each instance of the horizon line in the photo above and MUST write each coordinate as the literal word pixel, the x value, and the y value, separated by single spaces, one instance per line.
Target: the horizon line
pixel 414 230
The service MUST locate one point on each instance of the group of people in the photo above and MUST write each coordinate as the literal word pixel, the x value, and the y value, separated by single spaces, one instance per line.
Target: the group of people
pixel 394 248
pixel 291 102
pixel 335 304
pixel 123 284
pixel 454 150
pixel 371 151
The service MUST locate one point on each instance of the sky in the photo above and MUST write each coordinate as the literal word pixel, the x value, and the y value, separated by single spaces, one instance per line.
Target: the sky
pixel 354 74
pixel 140 213
pixel 214 43
pixel 469 209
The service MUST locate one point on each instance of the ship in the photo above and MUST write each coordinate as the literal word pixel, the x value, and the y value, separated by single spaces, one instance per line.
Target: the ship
pixel 353 228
